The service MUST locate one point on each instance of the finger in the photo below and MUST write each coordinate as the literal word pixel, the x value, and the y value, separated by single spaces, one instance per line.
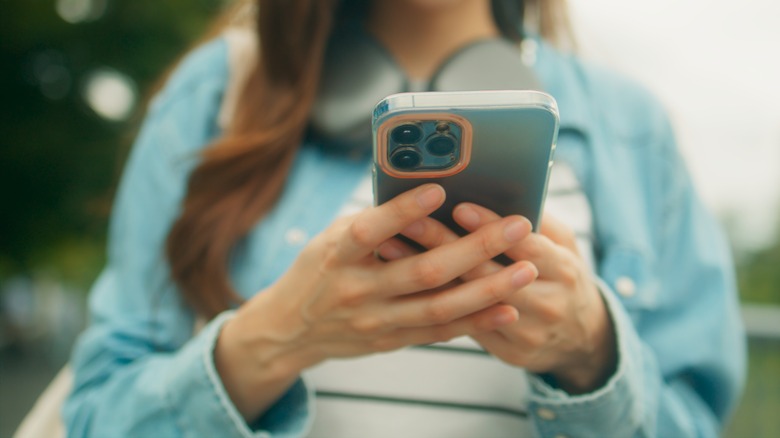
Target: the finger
pixel 431 233
pixel 544 302
pixel 394 249
pixel 559 233
pixel 373 226
pixel 448 305
pixel 529 298
pixel 531 353
pixel 498 345
pixel 448 262
pixel 485 321
pixel 533 339
pixel 493 341
pixel 536 248
pixel 541 306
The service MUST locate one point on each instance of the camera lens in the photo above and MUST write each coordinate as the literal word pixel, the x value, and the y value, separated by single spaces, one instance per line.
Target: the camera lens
pixel 406 134
pixel 441 145
pixel 405 158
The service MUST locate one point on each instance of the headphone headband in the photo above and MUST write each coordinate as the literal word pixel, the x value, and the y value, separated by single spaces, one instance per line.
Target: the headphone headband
pixel 359 72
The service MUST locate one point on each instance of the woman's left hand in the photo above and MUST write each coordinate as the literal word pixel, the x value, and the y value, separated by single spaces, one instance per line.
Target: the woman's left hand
pixel 563 329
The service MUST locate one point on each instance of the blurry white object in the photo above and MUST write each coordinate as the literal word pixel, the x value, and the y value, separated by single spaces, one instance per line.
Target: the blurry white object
pixel 710 63
pixel 44 419
pixel 110 94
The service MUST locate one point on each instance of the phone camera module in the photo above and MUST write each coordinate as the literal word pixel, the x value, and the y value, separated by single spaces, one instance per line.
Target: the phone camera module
pixel 440 145
pixel 406 158
pixel 406 134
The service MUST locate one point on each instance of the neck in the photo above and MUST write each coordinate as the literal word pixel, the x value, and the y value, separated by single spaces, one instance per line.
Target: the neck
pixel 421 36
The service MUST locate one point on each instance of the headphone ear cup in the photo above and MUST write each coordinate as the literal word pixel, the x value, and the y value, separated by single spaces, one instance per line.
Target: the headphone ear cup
pixel 494 64
pixel 358 72
pixel 509 15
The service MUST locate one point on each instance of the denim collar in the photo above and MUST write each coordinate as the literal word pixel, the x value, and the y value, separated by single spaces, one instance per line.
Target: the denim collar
pixel 560 81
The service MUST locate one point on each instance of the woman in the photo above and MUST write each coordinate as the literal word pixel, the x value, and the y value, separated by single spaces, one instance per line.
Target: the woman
pixel 245 214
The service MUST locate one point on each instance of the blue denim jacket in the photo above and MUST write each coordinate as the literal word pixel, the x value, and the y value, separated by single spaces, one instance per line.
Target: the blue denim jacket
pixel 140 371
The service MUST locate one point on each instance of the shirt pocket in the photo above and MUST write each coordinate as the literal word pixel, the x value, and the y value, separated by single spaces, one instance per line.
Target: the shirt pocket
pixel 627 272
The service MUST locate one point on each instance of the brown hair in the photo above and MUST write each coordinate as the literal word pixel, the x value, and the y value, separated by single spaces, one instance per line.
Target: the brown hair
pixel 242 173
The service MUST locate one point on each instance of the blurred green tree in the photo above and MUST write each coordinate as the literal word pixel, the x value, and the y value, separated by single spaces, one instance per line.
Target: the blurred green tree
pixel 58 157
pixel 758 273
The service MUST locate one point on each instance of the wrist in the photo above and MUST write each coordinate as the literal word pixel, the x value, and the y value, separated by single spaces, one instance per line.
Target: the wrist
pixel 596 362
pixel 255 367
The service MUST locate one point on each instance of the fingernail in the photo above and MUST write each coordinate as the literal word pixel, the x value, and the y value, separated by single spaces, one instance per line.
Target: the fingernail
pixel 524 276
pixel 414 230
pixel 504 318
pixel 430 196
pixel 390 252
pixel 515 231
pixel 468 216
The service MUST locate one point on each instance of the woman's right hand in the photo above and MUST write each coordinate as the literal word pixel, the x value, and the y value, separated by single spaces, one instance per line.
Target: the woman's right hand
pixel 339 300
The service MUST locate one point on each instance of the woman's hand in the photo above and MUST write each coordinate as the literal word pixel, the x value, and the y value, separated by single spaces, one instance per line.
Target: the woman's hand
pixel 563 327
pixel 339 300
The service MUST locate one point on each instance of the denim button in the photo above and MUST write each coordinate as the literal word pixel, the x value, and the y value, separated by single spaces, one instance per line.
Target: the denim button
pixel 625 286
pixel 545 414
pixel 295 236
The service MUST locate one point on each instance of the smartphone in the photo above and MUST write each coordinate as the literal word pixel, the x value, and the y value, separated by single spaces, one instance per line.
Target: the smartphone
pixel 492 148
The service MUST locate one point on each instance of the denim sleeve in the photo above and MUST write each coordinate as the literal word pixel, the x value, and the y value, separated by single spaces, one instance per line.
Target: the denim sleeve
pixel 139 371
pixel 681 364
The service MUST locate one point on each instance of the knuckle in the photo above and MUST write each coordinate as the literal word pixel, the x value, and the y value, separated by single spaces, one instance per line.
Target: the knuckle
pixel 533 340
pixel 360 232
pixel 537 341
pixel 317 245
pixel 438 313
pixel 480 324
pixel 437 235
pixel 532 248
pixel 569 274
pixel 385 344
pixel 341 223
pixel 324 247
pixel 428 273
pixel 401 211
pixel 350 293
pixel 568 237
pixel 487 247
pixel 494 292
pixel 365 325
pixel 550 312
pixel 330 255
pixel 517 357
pixel 552 338
pixel 483 270
pixel 443 333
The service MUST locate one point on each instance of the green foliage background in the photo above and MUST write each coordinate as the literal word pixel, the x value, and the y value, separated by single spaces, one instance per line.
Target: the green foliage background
pixel 59 162
pixel 759 274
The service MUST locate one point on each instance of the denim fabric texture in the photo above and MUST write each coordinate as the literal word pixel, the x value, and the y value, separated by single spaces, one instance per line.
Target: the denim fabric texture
pixel 663 267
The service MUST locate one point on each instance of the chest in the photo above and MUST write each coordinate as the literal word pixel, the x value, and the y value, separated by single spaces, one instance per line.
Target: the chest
pixel 323 186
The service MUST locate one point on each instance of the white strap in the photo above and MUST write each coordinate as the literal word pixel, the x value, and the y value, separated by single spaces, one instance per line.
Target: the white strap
pixel 44 419
pixel 242 56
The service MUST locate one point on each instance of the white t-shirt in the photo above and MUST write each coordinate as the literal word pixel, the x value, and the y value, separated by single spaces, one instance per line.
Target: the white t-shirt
pixel 440 390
